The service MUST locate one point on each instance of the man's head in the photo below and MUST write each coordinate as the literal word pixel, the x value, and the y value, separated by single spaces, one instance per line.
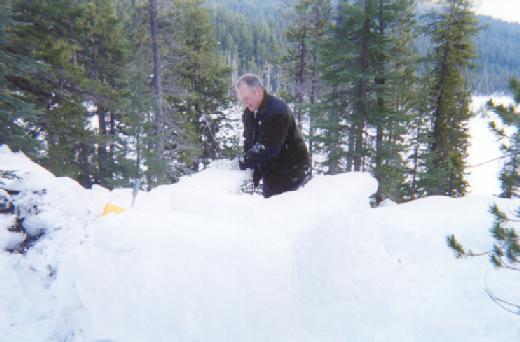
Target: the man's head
pixel 250 91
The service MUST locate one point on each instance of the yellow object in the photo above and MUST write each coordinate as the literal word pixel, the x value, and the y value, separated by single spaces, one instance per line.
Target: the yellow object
pixel 112 209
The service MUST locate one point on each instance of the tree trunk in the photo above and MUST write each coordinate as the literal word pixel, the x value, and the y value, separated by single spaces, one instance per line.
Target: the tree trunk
pixel 351 144
pixel 103 167
pixel 361 110
pixel 415 169
pixel 113 130
pixel 300 75
pixel 440 124
pixel 312 100
pixel 159 116
pixel 84 177
pixel 380 122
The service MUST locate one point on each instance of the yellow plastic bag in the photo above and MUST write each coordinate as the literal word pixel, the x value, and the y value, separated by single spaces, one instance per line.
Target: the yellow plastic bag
pixel 112 209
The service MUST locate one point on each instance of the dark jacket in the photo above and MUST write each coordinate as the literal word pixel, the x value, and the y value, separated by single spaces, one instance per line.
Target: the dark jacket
pixel 274 147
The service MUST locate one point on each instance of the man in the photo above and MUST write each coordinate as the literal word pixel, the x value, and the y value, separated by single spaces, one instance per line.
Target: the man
pixel 273 145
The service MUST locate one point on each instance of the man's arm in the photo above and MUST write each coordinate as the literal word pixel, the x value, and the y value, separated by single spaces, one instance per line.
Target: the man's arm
pixel 247 121
pixel 274 133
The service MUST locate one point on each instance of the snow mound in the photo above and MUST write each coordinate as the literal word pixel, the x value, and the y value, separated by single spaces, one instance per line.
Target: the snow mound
pixel 199 260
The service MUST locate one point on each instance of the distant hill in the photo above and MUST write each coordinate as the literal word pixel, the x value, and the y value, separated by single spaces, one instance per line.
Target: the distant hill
pixel 498 44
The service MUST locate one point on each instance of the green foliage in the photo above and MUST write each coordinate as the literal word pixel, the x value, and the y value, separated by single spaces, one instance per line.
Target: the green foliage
pixel 251 37
pixel 76 76
pixel 452 32
pixel 507 249
pixel 498 45
pixel 302 63
pixel 17 112
pixel 369 65
pixel 49 36
pixel 455 246
pixel 505 252
pixel 201 81
pixel 510 173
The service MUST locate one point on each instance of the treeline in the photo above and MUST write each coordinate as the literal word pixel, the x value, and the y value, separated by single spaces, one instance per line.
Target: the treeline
pixel 373 104
pixel 109 91
pixel 497 43
pixel 78 88
pixel 251 35
pixel 498 47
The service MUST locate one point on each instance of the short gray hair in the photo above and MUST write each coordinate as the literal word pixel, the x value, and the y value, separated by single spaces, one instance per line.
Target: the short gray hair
pixel 251 80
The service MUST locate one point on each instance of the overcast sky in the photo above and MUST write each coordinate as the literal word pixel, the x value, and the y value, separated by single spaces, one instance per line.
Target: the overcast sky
pixel 503 9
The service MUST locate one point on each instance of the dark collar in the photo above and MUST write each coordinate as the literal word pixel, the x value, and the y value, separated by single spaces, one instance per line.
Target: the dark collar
pixel 264 102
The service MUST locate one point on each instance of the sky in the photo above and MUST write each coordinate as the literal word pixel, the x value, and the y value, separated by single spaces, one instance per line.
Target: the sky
pixel 502 9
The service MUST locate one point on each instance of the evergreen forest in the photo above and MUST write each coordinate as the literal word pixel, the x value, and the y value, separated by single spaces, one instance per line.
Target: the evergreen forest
pixel 111 92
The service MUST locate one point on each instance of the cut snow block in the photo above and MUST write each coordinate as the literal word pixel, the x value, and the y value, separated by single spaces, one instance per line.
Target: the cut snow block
pixel 112 209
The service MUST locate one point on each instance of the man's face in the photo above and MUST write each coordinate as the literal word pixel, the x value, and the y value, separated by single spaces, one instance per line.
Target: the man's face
pixel 249 97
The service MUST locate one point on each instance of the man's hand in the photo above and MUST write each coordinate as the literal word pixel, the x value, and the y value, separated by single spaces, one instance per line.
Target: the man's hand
pixel 242 163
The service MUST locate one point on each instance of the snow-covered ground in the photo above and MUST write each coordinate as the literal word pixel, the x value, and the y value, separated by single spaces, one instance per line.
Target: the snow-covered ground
pixel 199 261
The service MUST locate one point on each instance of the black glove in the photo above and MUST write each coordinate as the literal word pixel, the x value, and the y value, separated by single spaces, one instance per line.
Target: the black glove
pixel 242 163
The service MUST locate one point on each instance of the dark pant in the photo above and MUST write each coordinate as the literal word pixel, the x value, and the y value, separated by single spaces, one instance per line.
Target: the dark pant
pixel 269 191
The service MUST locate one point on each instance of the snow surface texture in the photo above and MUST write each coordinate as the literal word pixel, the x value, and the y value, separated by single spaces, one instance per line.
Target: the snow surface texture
pixel 199 261
pixel 484 146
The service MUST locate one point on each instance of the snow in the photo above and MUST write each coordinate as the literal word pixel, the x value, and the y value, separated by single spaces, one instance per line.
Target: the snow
pixel 484 147
pixel 200 261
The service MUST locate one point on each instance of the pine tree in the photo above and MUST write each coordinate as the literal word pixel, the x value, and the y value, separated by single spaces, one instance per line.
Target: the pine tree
pixel 452 33
pixel 340 68
pixel 419 141
pixel 320 18
pixel 138 104
pixel 510 173
pixel 50 34
pixel 298 55
pixel 395 85
pixel 159 119
pixel 504 253
pixel 104 56
pixel 303 59
pixel 253 43
pixel 371 67
pixel 16 108
pixel 201 81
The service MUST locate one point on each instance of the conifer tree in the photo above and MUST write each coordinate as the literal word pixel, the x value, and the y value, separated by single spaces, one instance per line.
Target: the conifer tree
pixel 50 34
pixel 371 67
pixel 298 55
pixel 15 105
pixel 419 140
pixel 303 58
pixel 197 81
pixel 510 173
pixel 452 33
pixel 340 69
pixel 139 102
pixel 159 119
pixel 104 56
pixel 504 253
pixel 320 18
pixel 395 85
